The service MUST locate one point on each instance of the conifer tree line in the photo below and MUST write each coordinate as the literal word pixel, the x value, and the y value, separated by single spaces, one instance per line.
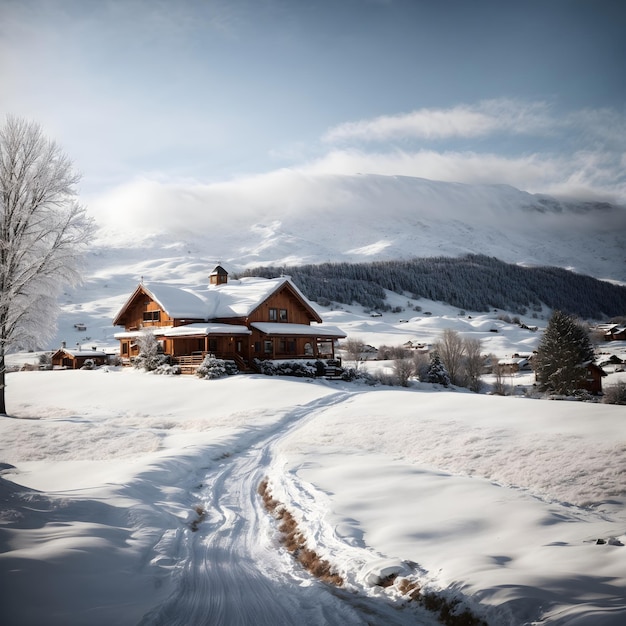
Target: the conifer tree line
pixel 474 282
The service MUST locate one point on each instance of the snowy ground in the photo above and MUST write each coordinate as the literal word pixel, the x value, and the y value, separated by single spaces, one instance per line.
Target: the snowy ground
pixel 498 501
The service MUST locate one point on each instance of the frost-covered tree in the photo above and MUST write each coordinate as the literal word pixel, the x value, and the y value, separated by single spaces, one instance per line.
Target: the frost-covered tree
pixel 562 355
pixel 150 355
pixel 437 372
pixel 43 235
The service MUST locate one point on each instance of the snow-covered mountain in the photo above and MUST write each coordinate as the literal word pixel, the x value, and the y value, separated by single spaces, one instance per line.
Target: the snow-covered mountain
pixel 366 217
pixel 172 234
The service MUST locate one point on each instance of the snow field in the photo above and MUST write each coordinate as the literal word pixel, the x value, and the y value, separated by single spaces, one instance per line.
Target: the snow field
pixel 500 500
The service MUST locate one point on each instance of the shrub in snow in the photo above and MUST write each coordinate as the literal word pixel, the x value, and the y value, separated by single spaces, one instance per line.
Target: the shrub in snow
pixel 351 374
pixel 383 378
pixel 615 394
pixel 150 356
pixel 300 369
pixel 212 368
pixel 88 365
pixel 403 370
pixel 45 361
pixel 167 370
pixel 421 364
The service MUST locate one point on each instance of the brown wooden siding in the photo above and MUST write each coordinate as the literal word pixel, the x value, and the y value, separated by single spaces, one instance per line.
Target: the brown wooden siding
pixel 282 300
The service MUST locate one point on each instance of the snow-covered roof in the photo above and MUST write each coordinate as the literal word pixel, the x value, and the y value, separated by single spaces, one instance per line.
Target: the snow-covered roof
pixel 277 328
pixel 177 302
pixel 83 353
pixel 187 330
pixel 236 298
pixel 206 329
pixel 239 298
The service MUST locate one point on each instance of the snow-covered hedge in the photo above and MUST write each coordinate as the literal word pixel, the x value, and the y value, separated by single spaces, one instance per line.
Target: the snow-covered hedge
pixel 167 370
pixel 301 369
pixel 216 368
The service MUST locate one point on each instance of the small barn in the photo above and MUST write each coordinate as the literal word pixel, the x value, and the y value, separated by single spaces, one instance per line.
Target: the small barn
pixel 67 359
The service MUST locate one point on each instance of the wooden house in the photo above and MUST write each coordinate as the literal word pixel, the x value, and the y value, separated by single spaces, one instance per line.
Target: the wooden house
pixel 65 358
pixel 593 379
pixel 240 320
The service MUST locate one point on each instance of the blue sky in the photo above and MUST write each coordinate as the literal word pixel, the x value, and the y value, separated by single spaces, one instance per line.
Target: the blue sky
pixel 529 93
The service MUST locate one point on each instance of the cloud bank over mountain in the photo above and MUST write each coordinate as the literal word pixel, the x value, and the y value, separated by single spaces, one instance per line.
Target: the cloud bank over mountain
pixel 290 218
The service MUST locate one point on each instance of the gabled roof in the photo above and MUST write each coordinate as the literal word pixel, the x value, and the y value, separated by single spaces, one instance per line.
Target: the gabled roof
pixel 240 298
pixel 219 271
pixel 234 299
pixel 178 303
pixel 80 353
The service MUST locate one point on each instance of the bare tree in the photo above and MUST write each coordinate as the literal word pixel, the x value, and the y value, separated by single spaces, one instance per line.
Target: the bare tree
pixel 421 364
pixel 473 364
pixel 499 386
pixel 43 235
pixel 451 350
pixel 403 369
pixel 354 350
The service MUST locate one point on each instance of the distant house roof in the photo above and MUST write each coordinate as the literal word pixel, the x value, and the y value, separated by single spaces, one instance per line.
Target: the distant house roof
pixel 81 353
pixel 219 270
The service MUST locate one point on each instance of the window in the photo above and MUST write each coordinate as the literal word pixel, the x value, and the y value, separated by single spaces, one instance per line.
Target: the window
pixel 124 347
pixel 273 315
pixel 267 347
pixel 212 344
pixel 283 315
pixel 287 346
pixel 152 316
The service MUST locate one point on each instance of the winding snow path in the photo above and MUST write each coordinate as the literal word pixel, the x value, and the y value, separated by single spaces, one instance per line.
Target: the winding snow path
pixel 233 572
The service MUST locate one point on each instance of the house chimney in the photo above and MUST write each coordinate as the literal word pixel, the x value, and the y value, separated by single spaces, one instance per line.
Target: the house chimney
pixel 63 344
pixel 219 276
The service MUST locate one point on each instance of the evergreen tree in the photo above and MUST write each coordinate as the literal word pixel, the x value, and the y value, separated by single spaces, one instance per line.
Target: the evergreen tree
pixel 562 355
pixel 437 373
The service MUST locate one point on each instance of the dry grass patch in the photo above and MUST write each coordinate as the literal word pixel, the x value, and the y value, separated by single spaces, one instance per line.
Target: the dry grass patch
pixel 201 513
pixel 294 540
pixel 447 611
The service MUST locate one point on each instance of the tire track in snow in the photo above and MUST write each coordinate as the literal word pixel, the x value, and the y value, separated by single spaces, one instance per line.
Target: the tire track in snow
pixel 233 573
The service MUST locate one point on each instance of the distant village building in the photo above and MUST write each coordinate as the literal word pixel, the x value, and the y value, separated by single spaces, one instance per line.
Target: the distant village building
pixel 517 363
pixel 593 379
pixel 612 332
pixel 65 358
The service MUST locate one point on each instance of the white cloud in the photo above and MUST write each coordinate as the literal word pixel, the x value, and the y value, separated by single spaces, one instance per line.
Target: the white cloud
pixel 470 121
pixel 584 174
pixel 584 158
